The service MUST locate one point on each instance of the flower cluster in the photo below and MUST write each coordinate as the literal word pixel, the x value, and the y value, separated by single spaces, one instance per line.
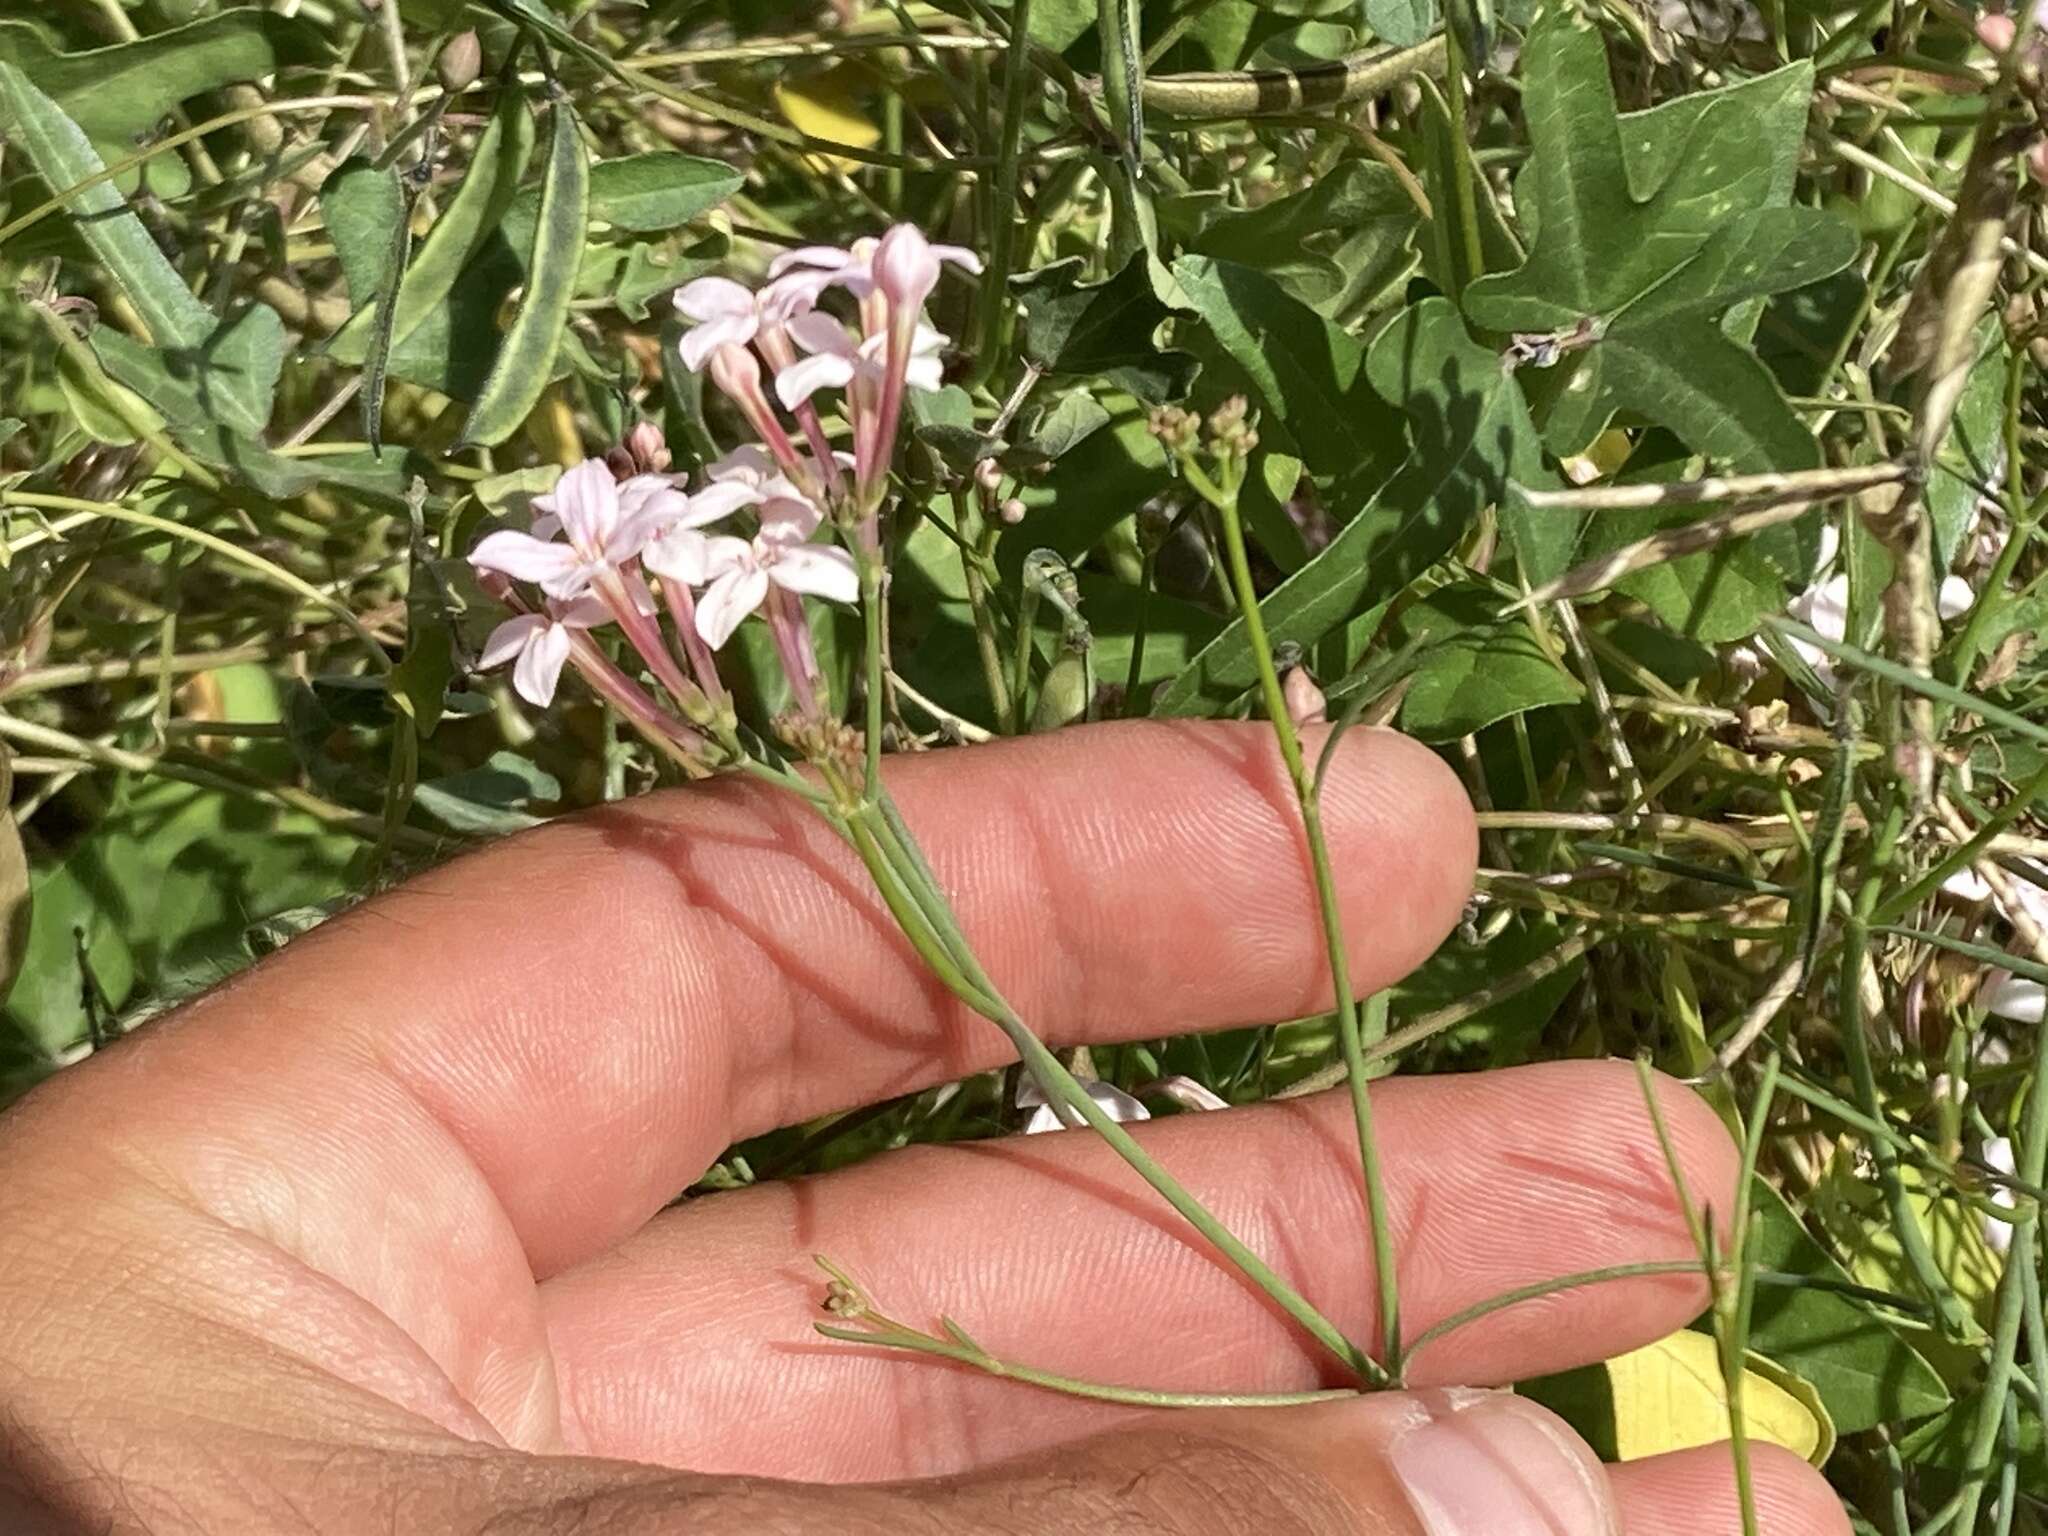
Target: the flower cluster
pixel 620 539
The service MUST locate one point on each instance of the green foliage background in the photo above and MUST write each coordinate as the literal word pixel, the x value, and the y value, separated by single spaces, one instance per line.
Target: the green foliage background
pixel 296 306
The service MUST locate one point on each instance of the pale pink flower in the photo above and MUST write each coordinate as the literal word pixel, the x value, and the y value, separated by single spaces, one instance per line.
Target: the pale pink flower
pixel 541 643
pixel 680 551
pixel 740 572
pixel 1112 1101
pixel 722 313
pixel 836 359
pixel 906 267
pixel 604 525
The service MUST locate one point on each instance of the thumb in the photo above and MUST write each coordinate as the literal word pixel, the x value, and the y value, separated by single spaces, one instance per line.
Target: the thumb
pixel 1443 1463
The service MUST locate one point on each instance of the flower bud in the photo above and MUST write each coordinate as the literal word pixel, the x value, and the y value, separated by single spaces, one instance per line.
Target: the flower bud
pixel 906 269
pixel 460 62
pixel 1012 510
pixel 988 474
pixel 1305 702
pixel 648 449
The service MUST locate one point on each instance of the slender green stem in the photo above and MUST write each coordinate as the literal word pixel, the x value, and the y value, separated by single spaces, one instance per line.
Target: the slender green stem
pixel 875 662
pixel 1074 1386
pixel 1349 1027
pixel 1955 1318
pixel 1541 1288
pixel 1003 203
pixel 898 868
pixel 2030 1166
pixel 1462 169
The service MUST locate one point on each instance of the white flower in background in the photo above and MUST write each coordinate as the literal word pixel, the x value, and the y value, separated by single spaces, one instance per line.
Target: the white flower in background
pixel 1998 1234
pixel 2030 899
pixel 1825 605
pixel 541 642
pixel 837 359
pixel 2013 997
pixel 739 573
pixel 604 525
pixel 1113 1102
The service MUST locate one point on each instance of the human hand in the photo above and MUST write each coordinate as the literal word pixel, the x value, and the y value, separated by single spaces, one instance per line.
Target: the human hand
pixel 372 1238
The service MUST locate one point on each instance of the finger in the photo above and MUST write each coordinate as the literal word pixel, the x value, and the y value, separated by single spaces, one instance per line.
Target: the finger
pixel 1050 1253
pixel 1695 1492
pixel 1422 1464
pixel 515 1060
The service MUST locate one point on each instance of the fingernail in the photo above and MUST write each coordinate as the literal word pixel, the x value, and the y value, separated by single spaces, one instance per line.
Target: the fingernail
pixel 1493 1464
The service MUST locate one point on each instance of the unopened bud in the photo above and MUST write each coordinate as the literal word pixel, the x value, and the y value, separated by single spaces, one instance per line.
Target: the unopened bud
pixel 1176 429
pixel 906 269
pixel 648 449
pixel 1012 511
pixel 1305 702
pixel 460 61
pixel 988 474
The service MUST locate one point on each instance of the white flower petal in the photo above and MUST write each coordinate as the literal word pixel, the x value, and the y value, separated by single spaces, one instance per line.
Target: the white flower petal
pixel 807 375
pixel 586 499
pixel 820 332
pixel 1113 1101
pixel 817 570
pixel 681 554
pixel 926 374
pixel 522 557
pixel 959 255
pixel 2014 997
pixel 1956 597
pixel 727 601
pixel 811 256
pixel 1998 1153
pixel 714 298
pixel 702 343
pixel 508 640
pixel 540 665
pixel 718 500
pixel 788 520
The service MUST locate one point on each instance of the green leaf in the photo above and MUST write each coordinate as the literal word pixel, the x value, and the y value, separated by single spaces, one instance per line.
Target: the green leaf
pixel 161 892
pixel 465 227
pixel 1401 22
pixel 1063 426
pixel 1635 256
pixel 651 193
pixel 1102 331
pixel 362 206
pixel 491 798
pixel 1332 246
pixel 64 157
pixel 1720 594
pixel 1472 438
pixel 228 368
pixel 527 357
pixel 1477 668
pixel 1865 1372
pixel 1305 376
pixel 1964 465
pixel 116 92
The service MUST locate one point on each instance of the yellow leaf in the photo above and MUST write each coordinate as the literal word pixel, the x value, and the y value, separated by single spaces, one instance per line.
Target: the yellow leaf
pixel 1670 1396
pixel 824 106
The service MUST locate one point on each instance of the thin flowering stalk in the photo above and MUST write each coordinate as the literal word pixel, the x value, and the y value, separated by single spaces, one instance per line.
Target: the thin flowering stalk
pixel 1232 439
pixel 792 636
pixel 682 606
pixel 920 909
pixel 643 633
pixel 688 749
